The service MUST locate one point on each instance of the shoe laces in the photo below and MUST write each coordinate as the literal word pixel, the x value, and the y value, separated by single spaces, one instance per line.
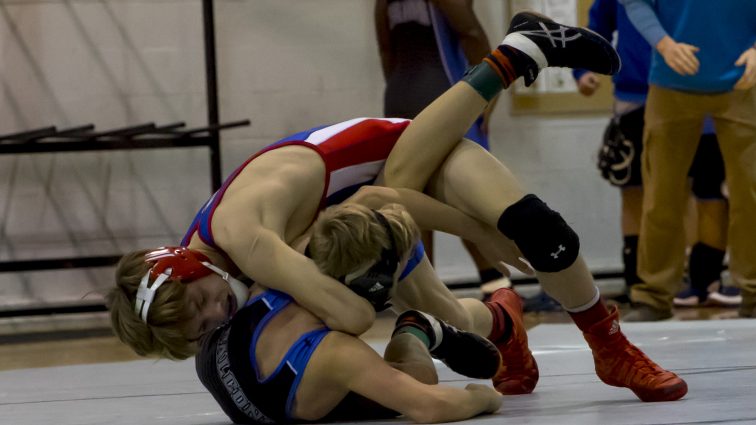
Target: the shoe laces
pixel 630 364
pixel 515 356
pixel 641 362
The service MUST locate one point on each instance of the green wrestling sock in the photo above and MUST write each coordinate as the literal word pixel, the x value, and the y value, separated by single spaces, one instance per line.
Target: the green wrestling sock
pixel 421 326
pixel 499 70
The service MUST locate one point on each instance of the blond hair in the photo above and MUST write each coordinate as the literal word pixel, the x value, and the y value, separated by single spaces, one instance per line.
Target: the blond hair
pixel 163 335
pixel 348 237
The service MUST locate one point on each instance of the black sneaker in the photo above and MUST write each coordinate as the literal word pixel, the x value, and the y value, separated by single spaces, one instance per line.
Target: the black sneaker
pixel 724 296
pixel 464 352
pixel 690 297
pixel 561 45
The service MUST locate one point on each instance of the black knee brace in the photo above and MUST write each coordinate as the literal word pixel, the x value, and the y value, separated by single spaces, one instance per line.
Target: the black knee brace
pixel 544 238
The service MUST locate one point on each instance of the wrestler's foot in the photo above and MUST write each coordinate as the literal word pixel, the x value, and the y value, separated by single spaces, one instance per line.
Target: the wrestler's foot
pixel 519 371
pixel 619 363
pixel 550 43
pixel 464 352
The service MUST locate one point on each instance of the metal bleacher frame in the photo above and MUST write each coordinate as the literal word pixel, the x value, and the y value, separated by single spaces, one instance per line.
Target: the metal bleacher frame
pixel 143 136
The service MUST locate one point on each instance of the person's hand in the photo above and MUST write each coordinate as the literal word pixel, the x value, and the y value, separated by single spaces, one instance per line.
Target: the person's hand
pixel 484 391
pixel 748 58
pixel 500 251
pixel 588 83
pixel 680 57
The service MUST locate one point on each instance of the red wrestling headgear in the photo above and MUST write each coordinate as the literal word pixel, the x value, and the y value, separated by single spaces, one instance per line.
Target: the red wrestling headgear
pixel 185 264
pixel 178 263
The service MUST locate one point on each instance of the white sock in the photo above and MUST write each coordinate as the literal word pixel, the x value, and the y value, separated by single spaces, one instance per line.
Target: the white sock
pixel 589 304
pixel 527 46
pixel 437 332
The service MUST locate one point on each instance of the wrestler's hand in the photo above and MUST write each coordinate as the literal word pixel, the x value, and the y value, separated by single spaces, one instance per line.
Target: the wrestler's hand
pixel 588 83
pixel 681 57
pixel 500 251
pixel 748 80
pixel 483 391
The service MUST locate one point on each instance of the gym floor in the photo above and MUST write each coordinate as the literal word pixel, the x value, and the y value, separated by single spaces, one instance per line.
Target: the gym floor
pixel 86 376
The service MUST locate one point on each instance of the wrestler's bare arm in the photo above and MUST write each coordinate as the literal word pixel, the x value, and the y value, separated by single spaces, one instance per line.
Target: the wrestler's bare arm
pixel 274 200
pixel 427 212
pixel 361 370
pixel 264 257
pixel 431 214
pixel 270 203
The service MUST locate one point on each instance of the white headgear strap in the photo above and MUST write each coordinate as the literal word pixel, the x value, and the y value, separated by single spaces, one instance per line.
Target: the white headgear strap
pixel 240 290
pixel 145 294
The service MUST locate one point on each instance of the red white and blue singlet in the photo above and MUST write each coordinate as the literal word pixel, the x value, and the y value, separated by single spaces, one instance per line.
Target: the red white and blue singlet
pixel 354 153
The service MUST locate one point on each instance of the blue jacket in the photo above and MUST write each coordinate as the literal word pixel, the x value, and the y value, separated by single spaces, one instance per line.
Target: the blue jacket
pixel 631 82
pixel 722 29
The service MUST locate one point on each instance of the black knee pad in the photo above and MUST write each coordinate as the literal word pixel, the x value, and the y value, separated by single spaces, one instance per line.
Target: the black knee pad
pixel 544 238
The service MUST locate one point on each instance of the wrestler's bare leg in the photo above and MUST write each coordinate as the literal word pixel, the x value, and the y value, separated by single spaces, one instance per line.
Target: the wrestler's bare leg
pixel 431 136
pixel 423 290
pixel 460 183
pixel 475 182
pixel 406 353
pixel 522 53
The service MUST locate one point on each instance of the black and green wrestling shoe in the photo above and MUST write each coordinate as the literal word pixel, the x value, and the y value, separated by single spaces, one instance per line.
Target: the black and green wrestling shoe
pixel 552 44
pixel 464 352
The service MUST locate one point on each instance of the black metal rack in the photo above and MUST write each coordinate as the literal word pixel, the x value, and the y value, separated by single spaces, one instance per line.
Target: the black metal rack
pixel 143 136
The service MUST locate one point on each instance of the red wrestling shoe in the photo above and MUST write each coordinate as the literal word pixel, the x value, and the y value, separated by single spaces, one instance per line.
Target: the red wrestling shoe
pixel 619 363
pixel 518 373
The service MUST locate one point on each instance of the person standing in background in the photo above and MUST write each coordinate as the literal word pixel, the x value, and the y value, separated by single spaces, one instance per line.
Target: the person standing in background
pixel 619 162
pixel 425 47
pixel 704 64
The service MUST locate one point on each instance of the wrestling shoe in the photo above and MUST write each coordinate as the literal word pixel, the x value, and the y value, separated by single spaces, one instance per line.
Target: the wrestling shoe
pixel 519 371
pixel 550 43
pixel 619 363
pixel 464 352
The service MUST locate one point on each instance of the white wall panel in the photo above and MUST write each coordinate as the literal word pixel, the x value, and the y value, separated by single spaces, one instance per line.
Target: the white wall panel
pixel 285 64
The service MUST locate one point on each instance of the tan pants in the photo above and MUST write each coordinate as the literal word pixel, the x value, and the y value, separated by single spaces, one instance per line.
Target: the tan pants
pixel 673 124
